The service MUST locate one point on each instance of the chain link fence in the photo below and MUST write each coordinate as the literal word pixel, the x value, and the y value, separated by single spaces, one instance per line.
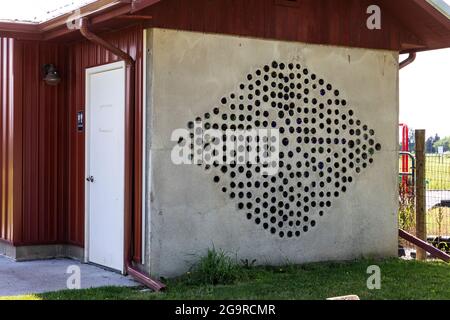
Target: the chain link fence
pixel 438 195
pixel 437 198
pixel 407 197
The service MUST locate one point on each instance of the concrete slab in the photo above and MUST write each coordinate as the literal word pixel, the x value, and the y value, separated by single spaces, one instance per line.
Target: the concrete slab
pixel 19 278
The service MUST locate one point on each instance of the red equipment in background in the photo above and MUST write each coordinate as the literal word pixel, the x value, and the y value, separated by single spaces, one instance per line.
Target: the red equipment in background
pixel 405 148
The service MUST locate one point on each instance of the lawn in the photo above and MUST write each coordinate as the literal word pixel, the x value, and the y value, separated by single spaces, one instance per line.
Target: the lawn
pixel 437 171
pixel 438 222
pixel 400 280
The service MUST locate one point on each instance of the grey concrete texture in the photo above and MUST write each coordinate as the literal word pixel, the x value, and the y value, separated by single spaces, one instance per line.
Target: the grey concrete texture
pixel 34 277
pixel 187 213
pixel 41 252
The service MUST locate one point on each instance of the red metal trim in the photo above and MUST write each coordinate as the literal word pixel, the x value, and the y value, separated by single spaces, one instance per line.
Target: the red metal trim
pixel 135 17
pixel 111 14
pixel 95 8
pixel 98 12
pixel 138 153
pixel 20 31
pixel 424 245
pixel 138 5
pixel 284 27
pixel 405 148
pixel 105 44
pixel 10 143
pixel 142 278
pixel 288 3
pixel 17 144
pixel 19 27
pixel 411 58
pixel 61 30
pixel 434 12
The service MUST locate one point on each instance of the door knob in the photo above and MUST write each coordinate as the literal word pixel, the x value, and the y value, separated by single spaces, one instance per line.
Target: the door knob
pixel 90 179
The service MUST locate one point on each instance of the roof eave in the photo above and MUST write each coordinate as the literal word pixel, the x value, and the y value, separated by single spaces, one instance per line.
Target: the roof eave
pixel 98 12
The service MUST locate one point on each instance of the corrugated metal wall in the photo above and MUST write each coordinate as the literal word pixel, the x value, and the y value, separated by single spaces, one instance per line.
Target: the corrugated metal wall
pixel 45 150
pixel 6 127
pixel 49 178
pixel 33 145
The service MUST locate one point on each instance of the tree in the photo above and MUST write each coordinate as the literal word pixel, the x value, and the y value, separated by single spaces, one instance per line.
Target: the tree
pixel 412 140
pixel 430 144
pixel 445 142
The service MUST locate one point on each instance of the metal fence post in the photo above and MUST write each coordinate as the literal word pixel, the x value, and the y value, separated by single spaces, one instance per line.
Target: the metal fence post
pixel 421 228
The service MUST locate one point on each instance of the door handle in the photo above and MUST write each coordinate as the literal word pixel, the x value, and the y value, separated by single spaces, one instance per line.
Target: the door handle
pixel 90 179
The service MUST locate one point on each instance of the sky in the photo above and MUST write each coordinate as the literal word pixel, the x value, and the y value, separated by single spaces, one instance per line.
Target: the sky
pixel 425 93
pixel 424 85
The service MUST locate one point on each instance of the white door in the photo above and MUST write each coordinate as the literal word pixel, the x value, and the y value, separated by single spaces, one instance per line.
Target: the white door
pixel 105 165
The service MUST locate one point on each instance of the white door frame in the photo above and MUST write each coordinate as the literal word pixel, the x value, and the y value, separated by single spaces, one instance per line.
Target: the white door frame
pixel 89 72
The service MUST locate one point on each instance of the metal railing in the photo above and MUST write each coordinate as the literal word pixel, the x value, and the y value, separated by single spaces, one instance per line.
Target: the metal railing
pixel 412 170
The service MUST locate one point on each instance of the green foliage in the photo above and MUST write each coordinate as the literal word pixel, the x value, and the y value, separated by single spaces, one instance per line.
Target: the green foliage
pixel 216 268
pixel 406 213
pixel 429 144
pixel 401 280
pixel 248 264
pixel 445 142
pixel 440 220
pixel 437 171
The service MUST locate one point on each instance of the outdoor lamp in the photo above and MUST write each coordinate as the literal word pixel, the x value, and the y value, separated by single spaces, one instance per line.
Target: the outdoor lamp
pixel 51 75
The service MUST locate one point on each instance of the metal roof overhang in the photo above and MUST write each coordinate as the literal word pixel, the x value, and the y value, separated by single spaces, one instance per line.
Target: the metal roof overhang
pixel 101 12
pixel 423 18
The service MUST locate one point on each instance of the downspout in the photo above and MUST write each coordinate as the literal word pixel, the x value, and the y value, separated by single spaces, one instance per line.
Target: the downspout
pixel 130 103
pixel 408 61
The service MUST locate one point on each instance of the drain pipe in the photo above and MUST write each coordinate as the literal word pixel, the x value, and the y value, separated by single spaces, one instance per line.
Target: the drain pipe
pixel 409 60
pixel 130 103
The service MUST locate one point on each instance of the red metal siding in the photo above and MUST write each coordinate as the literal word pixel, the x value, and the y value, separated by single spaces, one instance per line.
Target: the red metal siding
pixel 341 22
pixel 10 143
pixel 44 135
pixel 40 141
pixel 6 112
pixel 82 55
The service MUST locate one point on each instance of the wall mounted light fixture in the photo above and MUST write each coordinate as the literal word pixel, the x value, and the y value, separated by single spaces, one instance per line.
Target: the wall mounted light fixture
pixel 51 75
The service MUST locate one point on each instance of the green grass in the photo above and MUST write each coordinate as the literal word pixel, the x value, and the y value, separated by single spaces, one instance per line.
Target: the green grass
pixel 400 280
pixel 217 267
pixel 437 171
pixel 438 222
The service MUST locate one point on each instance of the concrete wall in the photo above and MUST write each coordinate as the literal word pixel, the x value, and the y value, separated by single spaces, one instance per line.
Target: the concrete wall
pixel 192 208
